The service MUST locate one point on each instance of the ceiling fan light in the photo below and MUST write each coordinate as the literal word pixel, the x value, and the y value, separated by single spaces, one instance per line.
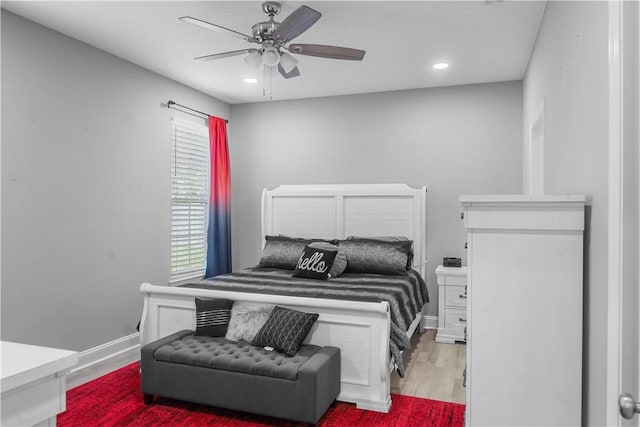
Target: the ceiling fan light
pixel 270 57
pixel 288 62
pixel 253 59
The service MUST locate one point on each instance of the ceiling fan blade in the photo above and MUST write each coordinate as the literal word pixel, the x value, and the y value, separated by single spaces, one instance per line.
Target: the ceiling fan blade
pixel 295 24
pixel 293 73
pixel 216 28
pixel 333 52
pixel 225 54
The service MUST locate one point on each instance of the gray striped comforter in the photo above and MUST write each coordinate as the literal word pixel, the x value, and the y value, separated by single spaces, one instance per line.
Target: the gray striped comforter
pixel 406 295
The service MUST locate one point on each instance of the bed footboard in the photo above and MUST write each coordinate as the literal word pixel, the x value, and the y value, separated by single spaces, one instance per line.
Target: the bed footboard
pixel 359 329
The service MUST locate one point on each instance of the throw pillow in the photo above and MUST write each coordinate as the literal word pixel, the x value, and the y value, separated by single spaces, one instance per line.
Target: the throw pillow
pixel 315 263
pixel 340 261
pixel 212 316
pixel 285 330
pixel 246 320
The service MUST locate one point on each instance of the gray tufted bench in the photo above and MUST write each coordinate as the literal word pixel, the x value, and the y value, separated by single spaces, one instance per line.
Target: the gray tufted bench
pixel 236 375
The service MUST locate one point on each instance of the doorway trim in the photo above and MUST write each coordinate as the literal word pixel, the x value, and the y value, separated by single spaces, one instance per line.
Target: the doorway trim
pixel 615 224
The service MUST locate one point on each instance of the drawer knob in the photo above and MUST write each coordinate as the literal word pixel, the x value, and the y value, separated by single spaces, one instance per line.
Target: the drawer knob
pixel 460 319
pixel 462 296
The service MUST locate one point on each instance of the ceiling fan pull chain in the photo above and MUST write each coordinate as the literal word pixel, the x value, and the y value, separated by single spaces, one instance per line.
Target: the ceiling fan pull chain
pixel 271 83
pixel 267 81
pixel 264 81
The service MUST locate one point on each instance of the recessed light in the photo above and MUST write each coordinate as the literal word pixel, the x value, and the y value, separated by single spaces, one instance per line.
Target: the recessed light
pixel 250 80
pixel 440 66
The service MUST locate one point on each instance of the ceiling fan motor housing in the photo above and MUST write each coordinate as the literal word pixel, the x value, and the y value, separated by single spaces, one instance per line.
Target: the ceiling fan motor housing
pixel 264 30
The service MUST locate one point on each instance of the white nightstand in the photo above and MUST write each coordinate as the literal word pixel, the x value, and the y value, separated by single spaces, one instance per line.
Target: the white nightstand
pixel 452 303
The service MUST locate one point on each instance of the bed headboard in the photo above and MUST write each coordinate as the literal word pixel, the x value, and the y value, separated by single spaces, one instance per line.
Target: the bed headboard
pixel 335 211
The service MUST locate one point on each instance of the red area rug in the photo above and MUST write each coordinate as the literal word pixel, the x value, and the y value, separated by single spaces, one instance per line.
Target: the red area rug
pixel 116 400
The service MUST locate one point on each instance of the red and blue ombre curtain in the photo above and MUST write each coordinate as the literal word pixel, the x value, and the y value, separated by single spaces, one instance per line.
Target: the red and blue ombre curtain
pixel 219 233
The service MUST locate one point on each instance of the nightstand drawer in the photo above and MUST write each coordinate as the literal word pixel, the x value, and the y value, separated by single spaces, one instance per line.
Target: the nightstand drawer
pixel 455 296
pixel 453 280
pixel 455 318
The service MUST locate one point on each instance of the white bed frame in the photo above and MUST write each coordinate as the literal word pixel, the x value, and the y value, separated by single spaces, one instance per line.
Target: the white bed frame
pixel 360 329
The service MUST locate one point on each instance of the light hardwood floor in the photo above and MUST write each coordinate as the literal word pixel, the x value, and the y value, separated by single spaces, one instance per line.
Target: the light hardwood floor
pixel 432 370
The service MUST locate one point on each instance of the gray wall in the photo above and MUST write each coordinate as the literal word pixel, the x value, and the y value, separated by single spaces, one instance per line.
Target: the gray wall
pixel 85 173
pixel 85 187
pixel 569 69
pixel 454 140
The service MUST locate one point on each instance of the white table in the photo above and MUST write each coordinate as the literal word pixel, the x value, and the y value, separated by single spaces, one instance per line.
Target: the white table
pixel 33 383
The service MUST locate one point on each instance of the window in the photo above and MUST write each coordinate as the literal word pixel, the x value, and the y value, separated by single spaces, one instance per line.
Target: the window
pixel 189 199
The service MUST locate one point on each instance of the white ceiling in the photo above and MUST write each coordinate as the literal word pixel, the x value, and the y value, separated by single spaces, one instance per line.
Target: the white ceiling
pixel 484 41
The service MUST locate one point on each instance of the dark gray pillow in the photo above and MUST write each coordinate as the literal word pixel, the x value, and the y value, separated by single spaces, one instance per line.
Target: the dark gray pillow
pixel 376 256
pixel 389 239
pixel 382 238
pixel 283 252
pixel 285 330
pixel 212 316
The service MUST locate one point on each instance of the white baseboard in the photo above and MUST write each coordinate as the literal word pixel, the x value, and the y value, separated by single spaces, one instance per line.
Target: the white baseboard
pixel 105 358
pixel 429 322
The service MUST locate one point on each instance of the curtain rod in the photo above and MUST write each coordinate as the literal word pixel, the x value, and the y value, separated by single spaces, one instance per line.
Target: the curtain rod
pixel 171 103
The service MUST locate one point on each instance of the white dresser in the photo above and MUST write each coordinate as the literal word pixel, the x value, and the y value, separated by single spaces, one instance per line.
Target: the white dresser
pixel 33 383
pixel 524 335
pixel 452 303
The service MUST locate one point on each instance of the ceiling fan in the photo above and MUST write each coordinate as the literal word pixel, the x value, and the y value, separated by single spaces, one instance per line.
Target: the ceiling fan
pixel 274 37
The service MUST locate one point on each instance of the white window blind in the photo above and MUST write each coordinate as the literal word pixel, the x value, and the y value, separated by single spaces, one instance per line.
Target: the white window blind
pixel 189 199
